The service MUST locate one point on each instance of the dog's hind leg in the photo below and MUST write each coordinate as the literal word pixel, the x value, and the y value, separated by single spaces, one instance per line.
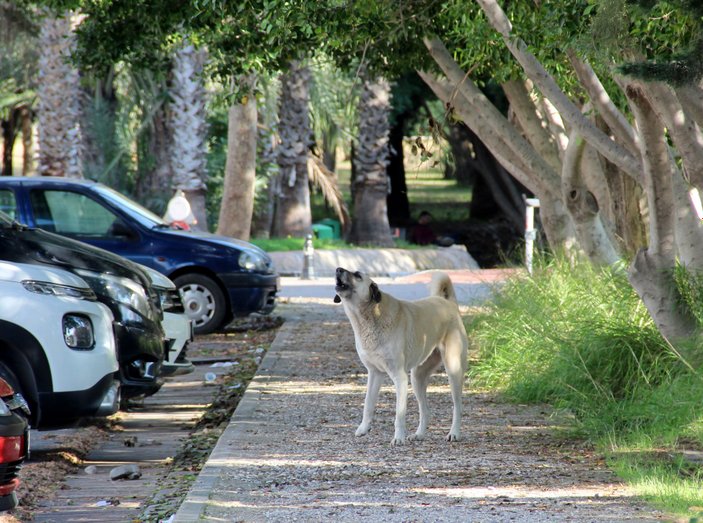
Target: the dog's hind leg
pixel 373 387
pixel 419 377
pixel 454 357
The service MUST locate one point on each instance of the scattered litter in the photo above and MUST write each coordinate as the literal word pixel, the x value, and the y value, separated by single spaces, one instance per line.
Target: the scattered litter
pixel 210 377
pixel 126 472
pixel 169 520
pixel 259 350
pixel 108 502
pixel 150 442
pixel 235 386
pixel 130 441
pixel 91 469
pixel 224 363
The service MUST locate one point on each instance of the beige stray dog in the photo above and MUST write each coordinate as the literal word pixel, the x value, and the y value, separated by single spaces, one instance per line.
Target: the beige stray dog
pixel 395 336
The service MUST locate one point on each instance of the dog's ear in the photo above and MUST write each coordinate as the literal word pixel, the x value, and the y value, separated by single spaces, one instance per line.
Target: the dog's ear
pixel 337 299
pixel 375 293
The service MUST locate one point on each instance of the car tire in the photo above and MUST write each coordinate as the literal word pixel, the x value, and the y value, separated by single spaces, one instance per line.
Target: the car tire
pixel 203 300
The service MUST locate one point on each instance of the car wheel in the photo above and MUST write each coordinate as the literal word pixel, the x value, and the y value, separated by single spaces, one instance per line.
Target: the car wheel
pixel 203 301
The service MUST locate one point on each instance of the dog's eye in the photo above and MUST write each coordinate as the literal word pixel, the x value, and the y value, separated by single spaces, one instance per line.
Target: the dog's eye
pixel 357 275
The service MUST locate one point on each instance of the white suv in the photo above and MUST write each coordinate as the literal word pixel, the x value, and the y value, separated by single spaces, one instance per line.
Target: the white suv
pixel 57 345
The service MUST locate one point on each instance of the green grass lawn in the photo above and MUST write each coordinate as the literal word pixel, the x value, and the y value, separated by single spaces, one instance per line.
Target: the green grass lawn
pixel 427 190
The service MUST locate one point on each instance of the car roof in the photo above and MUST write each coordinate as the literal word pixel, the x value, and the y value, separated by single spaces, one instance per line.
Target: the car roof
pixel 44 180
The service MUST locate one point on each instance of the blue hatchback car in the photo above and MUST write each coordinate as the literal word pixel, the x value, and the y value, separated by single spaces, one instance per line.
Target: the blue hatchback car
pixel 220 278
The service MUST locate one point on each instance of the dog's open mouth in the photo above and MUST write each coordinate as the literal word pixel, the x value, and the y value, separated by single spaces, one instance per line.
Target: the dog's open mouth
pixel 341 286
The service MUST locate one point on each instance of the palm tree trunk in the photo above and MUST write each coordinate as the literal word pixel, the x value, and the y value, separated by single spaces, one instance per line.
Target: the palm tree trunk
pixel 370 224
pixel 58 91
pixel 189 128
pixel 293 215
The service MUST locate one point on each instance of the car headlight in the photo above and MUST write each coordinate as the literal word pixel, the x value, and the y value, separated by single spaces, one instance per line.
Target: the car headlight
pixel 250 261
pixel 56 289
pixel 168 294
pixel 123 290
pixel 78 332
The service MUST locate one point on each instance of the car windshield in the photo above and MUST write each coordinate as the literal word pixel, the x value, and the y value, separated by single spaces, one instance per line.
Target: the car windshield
pixel 142 214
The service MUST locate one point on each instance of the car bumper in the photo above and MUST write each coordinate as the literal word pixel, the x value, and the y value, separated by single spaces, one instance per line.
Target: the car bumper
pixel 140 353
pixel 250 292
pixel 179 332
pixel 61 409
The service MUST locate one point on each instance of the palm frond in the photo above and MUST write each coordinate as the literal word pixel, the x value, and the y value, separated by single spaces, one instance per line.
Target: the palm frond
pixel 326 180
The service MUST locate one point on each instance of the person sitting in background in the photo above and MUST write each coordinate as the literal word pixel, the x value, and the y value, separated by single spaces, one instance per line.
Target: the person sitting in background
pixel 422 233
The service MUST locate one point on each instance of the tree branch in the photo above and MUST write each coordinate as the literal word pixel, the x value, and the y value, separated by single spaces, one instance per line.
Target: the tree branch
pixel 492 117
pixel 601 100
pixel 616 153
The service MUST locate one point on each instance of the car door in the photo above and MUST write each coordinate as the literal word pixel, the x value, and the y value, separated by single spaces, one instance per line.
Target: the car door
pixel 79 216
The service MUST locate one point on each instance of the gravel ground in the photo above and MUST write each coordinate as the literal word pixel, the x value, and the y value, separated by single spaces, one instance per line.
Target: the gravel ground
pixel 290 454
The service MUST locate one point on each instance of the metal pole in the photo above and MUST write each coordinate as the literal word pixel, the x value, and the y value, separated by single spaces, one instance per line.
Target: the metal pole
pixel 530 231
pixel 308 259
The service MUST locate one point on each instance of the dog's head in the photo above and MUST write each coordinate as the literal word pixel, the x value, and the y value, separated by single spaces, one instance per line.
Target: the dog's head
pixel 355 287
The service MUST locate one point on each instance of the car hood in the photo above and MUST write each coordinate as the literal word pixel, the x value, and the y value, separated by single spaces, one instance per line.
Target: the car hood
pixel 28 245
pixel 224 241
pixel 16 272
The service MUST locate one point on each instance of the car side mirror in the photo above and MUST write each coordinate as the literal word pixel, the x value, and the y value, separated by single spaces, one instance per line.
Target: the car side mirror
pixel 120 229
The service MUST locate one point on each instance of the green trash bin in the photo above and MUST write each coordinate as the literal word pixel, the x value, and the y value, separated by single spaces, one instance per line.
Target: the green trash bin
pixel 322 232
pixel 336 227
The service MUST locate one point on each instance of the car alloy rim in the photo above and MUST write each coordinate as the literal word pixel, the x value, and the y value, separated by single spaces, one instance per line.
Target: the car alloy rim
pixel 199 303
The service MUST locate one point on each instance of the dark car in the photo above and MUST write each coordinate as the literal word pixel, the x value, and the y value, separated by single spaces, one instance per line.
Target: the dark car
pixel 219 277
pixel 118 283
pixel 14 443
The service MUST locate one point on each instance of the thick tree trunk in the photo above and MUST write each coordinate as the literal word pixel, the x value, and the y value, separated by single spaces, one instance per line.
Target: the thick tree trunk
pixel 593 237
pixel 154 160
pixel 188 119
pixel 463 167
pixel 240 171
pixel 370 225
pixel 293 215
pixel 9 133
pixel 650 272
pixel 58 93
pixel 27 141
pixel 398 204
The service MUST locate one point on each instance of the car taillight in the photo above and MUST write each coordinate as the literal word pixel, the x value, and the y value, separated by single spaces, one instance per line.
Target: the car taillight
pixel 11 449
pixel 5 389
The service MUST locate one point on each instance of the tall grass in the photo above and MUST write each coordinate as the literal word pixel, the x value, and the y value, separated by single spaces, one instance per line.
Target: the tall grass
pixel 579 338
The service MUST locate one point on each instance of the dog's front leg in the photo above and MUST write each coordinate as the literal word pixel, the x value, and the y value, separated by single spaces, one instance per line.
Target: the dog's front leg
pixel 400 380
pixel 373 387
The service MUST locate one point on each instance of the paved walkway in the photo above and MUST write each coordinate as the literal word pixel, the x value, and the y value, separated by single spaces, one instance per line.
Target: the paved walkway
pixel 289 453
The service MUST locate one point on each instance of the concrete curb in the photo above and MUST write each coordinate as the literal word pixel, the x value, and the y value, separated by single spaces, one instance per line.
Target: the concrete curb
pixel 193 506
pixel 376 262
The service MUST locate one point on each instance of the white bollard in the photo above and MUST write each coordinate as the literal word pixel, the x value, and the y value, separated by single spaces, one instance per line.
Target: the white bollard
pixel 308 259
pixel 530 231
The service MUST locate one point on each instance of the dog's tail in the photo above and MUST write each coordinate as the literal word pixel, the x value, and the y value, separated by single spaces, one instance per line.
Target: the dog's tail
pixel 442 286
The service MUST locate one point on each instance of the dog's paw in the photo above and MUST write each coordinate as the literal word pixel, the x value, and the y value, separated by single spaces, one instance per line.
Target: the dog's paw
pixel 453 437
pixel 416 437
pixel 361 431
pixel 396 442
